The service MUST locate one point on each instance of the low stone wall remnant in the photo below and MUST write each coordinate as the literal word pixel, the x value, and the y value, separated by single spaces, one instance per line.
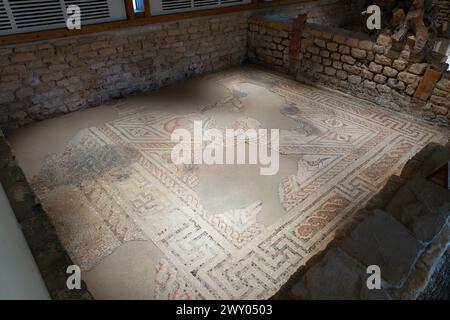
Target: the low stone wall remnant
pixel 46 78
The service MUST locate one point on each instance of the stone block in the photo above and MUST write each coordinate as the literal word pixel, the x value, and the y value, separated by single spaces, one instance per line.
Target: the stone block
pixel 332 46
pixel 410 90
pixel 339 38
pixel 369 84
pixel 418 68
pixel 24 92
pixel 378 78
pixel 352 42
pixel 407 77
pixel 320 43
pixel 354 79
pixel 344 50
pixel 384 40
pixel 23 57
pixel 444 84
pixel 337 277
pixel 423 207
pixel 10 85
pixel 316 59
pixel 348 59
pixel 379 49
pixel 375 67
pixel 352 69
pixel 342 75
pixel 400 64
pixel 366 74
pixel 317 67
pixel 382 88
pixel 397 84
pixel 324 53
pixel 337 65
pixel 441 93
pixel 390 72
pixel 434 160
pixel 440 101
pixel 406 54
pixel 383 241
pixel 383 60
pixel 313 49
pixel 330 71
pixel 358 53
pixel 327 35
pixel 439 110
pixel 335 56
pixel 6 97
pixel 326 62
pixel 366 45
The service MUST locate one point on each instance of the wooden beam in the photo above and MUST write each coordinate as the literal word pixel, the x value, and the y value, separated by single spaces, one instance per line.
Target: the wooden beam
pixel 92 28
pixel 147 8
pixel 129 9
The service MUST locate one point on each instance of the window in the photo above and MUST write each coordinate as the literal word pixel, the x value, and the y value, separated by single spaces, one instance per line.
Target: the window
pixel 159 7
pixel 21 16
pixel 138 6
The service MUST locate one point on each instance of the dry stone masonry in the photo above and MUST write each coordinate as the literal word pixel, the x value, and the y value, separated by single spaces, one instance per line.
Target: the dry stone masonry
pixel 43 79
pixel 46 78
pixel 368 69
pixel 443 15
pixel 269 41
pixel 439 103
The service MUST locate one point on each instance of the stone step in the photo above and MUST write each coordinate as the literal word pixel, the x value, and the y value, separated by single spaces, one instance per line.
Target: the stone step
pixel 439 157
pixel 383 241
pixel 336 276
pixel 422 206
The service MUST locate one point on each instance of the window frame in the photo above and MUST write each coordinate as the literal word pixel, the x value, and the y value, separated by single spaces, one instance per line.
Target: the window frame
pixel 140 19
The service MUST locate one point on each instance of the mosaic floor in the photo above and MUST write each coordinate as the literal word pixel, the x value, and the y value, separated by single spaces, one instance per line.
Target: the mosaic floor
pixel 221 231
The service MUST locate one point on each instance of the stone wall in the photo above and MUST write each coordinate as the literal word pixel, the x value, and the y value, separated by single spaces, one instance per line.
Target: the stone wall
pixel 269 41
pixel 369 69
pixel 271 36
pixel 439 103
pixel 443 14
pixel 40 80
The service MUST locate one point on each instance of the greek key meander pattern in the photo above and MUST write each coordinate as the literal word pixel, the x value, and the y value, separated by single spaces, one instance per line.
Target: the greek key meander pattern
pixel 347 152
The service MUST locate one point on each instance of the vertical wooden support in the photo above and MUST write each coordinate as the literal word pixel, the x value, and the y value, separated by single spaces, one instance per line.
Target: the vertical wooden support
pixel 148 12
pixel 129 9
